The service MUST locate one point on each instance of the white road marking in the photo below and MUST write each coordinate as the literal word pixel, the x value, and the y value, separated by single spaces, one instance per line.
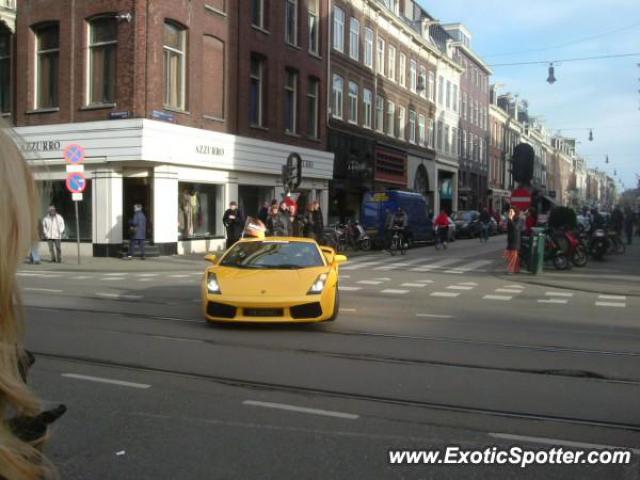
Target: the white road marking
pixel 345 276
pixel 119 296
pixel 445 294
pixel 113 279
pixel 400 265
pixel 508 290
pixel 503 298
pixel 44 290
pixel 472 284
pixel 611 304
pixel 413 285
pixel 425 281
pixel 435 265
pixel 612 297
pixel 179 276
pixel 394 291
pixel 561 301
pixel 294 408
pixel 81 277
pixel 358 266
pixel 115 274
pixel 148 274
pixel 346 289
pixel 350 310
pixel 106 380
pixel 460 287
pixel 382 279
pixel 470 266
pixel 368 282
pixel 553 441
pixel 433 315
pixel 513 286
pixel 558 294
pixel 29 274
pixel 144 279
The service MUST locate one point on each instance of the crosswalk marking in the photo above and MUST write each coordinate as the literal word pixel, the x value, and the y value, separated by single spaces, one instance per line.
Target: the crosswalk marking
pixel 460 287
pixel 349 289
pixel 559 294
pixel 445 294
pixel 513 286
pixel 473 284
pixel 394 291
pixel 414 285
pixel 433 266
pixel 358 266
pixel 470 266
pixel 502 298
pixel 508 290
pixel 611 304
pixel 393 266
pixel 369 282
pixel 612 297
pixel 561 301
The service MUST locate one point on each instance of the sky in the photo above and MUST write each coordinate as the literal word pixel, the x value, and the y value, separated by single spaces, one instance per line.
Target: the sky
pixel 603 95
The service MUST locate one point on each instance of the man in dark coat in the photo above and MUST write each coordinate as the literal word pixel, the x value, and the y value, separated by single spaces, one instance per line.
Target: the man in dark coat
pixel 263 214
pixel 279 223
pixel 233 221
pixel 317 222
pixel 138 229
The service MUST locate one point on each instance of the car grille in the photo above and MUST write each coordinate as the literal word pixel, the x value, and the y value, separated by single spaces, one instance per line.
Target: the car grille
pixel 308 310
pixel 221 310
pixel 263 312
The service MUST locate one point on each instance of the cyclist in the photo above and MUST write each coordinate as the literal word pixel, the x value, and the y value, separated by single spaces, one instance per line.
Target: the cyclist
pixel 441 225
pixel 485 224
pixel 396 221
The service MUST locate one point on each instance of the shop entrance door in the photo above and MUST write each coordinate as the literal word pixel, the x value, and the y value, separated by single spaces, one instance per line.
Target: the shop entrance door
pixel 137 190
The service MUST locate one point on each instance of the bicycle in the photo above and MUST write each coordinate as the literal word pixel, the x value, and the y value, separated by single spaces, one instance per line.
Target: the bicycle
pixel 397 243
pixel 442 234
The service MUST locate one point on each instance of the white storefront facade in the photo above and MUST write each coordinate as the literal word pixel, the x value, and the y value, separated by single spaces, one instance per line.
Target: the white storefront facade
pixel 184 178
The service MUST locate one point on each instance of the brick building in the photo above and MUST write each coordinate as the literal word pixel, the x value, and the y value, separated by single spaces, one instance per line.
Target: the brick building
pixel 474 120
pixel 181 105
pixel 383 66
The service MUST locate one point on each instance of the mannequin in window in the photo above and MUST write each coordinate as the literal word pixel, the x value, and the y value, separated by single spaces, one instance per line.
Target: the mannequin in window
pixel 187 211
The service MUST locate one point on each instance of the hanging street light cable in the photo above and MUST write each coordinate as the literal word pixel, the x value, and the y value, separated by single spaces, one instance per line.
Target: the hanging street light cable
pixel 566 60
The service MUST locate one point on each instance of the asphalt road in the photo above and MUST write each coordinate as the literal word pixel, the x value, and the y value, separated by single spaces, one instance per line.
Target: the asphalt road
pixel 430 349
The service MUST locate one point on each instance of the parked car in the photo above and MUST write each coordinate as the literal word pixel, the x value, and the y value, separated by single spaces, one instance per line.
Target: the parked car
pixel 467 223
pixel 376 206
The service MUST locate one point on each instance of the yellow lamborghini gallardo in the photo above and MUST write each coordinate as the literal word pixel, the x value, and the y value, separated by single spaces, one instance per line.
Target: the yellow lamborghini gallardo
pixel 273 279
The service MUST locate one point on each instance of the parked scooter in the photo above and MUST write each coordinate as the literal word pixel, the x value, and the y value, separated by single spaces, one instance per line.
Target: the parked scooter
pixel 598 244
pixel 357 237
pixel 556 252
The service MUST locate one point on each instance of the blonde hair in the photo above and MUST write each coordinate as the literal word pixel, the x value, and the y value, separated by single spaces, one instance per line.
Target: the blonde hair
pixel 19 460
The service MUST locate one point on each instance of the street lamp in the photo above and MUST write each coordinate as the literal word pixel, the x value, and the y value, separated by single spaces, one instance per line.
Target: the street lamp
pixel 591 135
pixel 551 79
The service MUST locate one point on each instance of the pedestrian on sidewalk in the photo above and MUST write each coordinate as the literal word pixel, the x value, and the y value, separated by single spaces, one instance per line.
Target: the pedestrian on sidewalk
pixel 53 230
pixel 514 240
pixel 629 221
pixel 233 221
pixel 485 224
pixel 138 230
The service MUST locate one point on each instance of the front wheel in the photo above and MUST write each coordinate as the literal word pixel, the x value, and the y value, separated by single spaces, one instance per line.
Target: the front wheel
pixel 336 307
pixel 579 257
pixel 365 244
pixel 561 262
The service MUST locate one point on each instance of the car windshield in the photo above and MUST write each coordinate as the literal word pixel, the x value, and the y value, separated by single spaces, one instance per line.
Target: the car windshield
pixel 273 255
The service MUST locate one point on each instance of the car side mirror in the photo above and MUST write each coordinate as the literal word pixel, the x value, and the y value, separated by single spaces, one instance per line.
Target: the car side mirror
pixel 338 259
pixel 211 258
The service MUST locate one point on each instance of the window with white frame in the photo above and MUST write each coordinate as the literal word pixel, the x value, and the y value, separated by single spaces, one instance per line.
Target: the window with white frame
pixel 257 13
pixel 338 29
pixel 447 140
pixel 412 126
pixel 422 125
pixel 422 82
pixel 48 52
pixel 175 66
pixel 338 92
pixel 463 153
pixel 314 27
pixel 439 136
pixel 103 43
pixel 353 102
pixel 454 141
pixel 413 76
pixel 391 68
pixel 402 123
pixel 448 98
pixel 432 86
pixel 464 106
pixel 313 93
pixel 380 56
pixel 454 100
pixel 402 70
pixel 291 22
pixel 367 101
pixel 432 133
pixel 354 39
pixel 291 101
pixel 440 90
pixel 256 94
pixel 391 119
pixel 380 113
pixel 368 47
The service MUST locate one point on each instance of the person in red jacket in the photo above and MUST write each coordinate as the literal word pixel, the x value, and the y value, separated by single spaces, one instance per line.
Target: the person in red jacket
pixel 531 221
pixel 441 224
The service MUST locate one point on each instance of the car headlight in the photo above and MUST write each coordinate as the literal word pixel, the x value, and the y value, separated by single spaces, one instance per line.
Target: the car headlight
pixel 318 285
pixel 212 284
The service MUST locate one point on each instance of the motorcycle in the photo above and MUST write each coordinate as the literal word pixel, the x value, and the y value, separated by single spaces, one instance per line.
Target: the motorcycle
pixel 556 250
pixel 579 253
pixel 598 244
pixel 356 237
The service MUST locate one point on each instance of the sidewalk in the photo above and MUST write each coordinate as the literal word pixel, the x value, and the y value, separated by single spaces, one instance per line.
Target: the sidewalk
pixel 615 275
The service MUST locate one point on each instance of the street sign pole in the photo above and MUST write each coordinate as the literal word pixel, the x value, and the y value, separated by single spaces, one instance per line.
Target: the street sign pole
pixel 77 231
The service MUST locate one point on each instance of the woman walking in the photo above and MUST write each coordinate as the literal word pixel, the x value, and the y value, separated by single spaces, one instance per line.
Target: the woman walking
pixel 514 240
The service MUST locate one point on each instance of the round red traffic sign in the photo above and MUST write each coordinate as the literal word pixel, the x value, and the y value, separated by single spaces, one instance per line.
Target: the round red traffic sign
pixel 76 182
pixel 74 154
pixel 520 198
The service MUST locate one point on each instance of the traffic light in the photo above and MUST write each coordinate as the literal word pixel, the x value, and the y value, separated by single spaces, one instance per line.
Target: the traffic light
pixel 523 158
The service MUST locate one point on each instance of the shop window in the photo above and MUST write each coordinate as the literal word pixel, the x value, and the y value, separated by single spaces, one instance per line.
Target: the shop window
pixel 198 210
pixel 55 193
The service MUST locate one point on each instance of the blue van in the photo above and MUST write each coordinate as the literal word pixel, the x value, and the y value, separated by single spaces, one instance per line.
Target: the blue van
pixel 376 206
